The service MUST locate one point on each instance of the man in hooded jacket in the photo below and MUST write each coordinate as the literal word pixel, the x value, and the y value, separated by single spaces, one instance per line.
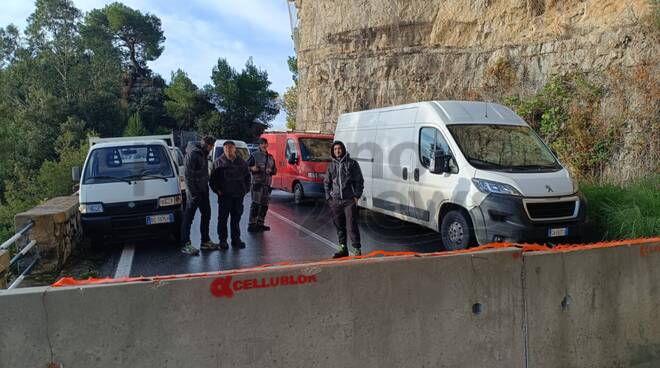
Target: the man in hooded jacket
pixel 196 178
pixel 343 188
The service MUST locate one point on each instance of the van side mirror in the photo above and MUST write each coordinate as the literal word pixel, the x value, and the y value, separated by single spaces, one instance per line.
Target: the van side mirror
pixel 75 174
pixel 440 163
pixel 293 159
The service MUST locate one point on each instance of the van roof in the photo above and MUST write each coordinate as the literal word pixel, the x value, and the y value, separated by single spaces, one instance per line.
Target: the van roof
pixel 314 134
pixel 240 144
pixel 129 143
pixel 462 112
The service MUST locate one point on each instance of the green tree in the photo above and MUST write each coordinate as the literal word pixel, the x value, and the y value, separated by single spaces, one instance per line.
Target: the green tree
pixel 290 100
pixel 184 101
pixel 135 128
pixel 245 102
pixel 138 36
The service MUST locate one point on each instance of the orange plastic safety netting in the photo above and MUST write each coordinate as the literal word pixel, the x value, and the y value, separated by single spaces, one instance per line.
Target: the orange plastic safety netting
pixel 69 281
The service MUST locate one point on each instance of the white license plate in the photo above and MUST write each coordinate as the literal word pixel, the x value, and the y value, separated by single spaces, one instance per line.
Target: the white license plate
pixel 160 219
pixel 562 231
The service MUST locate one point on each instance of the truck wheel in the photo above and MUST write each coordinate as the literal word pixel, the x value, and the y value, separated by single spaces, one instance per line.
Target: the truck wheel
pixel 455 230
pixel 298 194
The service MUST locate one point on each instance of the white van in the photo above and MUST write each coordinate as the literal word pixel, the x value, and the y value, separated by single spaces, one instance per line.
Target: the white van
pixel 241 150
pixel 129 185
pixel 474 171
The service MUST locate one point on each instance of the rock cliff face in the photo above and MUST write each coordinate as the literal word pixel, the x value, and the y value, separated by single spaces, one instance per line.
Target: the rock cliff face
pixel 361 54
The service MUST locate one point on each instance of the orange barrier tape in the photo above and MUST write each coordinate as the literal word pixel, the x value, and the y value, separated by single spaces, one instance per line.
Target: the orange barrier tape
pixel 69 281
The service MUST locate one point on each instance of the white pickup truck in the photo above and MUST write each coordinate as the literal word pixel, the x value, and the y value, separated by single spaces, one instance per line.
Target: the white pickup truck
pixel 129 186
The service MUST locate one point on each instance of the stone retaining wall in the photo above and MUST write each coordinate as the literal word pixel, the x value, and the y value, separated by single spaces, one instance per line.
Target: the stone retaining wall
pixel 56 229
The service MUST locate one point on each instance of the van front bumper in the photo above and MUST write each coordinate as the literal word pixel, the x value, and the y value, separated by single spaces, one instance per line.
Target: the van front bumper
pixel 313 189
pixel 503 218
pixel 129 224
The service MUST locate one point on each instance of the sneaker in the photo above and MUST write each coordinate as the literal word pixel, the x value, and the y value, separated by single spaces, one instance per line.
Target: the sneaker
pixel 343 252
pixel 209 245
pixel 356 251
pixel 189 249
pixel 265 228
pixel 238 244
pixel 223 245
pixel 253 228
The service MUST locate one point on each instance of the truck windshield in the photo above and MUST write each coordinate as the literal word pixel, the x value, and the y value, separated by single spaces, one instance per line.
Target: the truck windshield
pixel 315 149
pixel 508 148
pixel 128 163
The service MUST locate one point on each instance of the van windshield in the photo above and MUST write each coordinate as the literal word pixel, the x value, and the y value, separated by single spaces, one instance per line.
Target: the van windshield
pixel 128 163
pixel 242 152
pixel 510 148
pixel 315 149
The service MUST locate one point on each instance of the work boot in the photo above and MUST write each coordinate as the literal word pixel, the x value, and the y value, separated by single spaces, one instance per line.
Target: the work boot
pixel 223 245
pixel 343 252
pixel 209 245
pixel 238 244
pixel 264 227
pixel 253 228
pixel 357 251
pixel 189 249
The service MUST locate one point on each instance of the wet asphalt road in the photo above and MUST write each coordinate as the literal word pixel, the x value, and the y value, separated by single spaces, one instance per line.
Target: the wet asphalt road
pixel 298 233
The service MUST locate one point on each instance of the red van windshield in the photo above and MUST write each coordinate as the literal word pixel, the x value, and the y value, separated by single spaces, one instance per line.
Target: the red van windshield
pixel 315 149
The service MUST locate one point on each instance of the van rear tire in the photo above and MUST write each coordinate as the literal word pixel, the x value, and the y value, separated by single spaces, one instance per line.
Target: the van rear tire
pixel 456 231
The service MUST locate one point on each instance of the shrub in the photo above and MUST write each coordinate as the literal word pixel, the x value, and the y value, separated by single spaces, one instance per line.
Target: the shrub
pixel 621 212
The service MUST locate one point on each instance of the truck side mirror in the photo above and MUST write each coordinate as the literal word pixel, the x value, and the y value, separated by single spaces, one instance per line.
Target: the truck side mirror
pixel 75 174
pixel 293 159
pixel 440 163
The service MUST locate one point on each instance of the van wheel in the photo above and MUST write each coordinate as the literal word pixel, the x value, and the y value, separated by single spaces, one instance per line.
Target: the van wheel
pixel 298 194
pixel 456 231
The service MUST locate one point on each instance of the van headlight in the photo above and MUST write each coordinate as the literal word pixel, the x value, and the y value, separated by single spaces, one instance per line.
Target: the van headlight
pixel 86 208
pixel 576 187
pixel 315 175
pixel 174 200
pixel 487 186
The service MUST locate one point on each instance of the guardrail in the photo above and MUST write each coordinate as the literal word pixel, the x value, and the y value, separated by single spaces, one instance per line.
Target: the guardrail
pixel 20 254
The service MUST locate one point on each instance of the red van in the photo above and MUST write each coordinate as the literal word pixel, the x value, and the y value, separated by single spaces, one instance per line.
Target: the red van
pixel 301 159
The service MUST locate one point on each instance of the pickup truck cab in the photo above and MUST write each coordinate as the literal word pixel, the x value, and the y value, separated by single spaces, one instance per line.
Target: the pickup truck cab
pixel 129 186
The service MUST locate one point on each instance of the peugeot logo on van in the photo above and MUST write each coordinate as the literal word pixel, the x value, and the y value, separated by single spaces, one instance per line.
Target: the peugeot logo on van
pixel 549 188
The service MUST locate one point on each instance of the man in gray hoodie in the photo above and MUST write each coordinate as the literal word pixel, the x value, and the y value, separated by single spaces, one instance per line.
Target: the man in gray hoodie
pixel 343 188
pixel 196 177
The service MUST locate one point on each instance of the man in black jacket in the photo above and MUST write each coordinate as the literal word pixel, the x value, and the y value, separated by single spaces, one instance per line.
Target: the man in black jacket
pixel 230 179
pixel 343 188
pixel 196 177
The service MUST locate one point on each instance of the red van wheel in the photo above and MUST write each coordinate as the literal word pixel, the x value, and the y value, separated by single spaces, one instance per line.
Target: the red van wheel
pixel 298 194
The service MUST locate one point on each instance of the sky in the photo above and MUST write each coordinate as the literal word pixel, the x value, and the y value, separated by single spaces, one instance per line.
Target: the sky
pixel 198 32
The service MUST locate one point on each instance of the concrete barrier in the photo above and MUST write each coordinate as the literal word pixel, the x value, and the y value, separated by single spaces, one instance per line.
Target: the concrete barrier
pixel 594 308
pixel 591 307
pixel 463 310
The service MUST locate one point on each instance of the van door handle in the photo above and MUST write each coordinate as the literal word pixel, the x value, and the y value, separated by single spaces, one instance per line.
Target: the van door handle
pixel 416 174
pixel 405 173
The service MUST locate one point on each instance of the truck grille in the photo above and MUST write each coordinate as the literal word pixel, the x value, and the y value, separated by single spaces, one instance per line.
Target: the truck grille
pixel 123 208
pixel 551 210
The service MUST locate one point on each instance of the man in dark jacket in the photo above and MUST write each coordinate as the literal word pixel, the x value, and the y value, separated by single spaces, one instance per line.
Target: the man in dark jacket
pixel 196 177
pixel 343 188
pixel 262 166
pixel 230 179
